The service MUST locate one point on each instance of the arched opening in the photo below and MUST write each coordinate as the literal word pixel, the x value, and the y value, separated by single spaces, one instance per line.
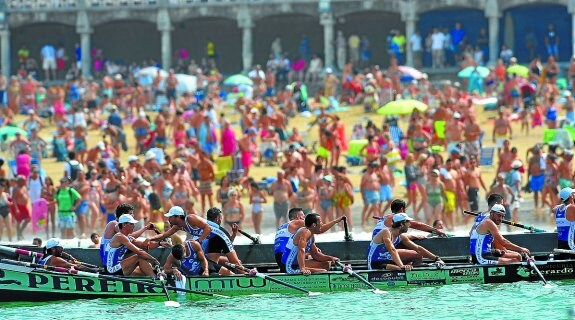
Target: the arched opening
pixel 291 29
pixel 35 36
pixel 126 42
pixel 524 29
pixel 194 34
pixel 472 21
pixel 376 26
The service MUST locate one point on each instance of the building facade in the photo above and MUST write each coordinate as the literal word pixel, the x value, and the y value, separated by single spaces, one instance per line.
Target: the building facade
pixel 243 30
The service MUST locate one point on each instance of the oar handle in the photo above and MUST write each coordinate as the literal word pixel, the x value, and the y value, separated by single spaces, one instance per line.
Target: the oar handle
pixel 249 236
pixel 511 223
pixel 21 252
pixel 347 236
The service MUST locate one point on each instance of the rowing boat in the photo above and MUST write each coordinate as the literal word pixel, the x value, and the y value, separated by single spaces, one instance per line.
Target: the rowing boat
pixel 263 254
pixel 20 283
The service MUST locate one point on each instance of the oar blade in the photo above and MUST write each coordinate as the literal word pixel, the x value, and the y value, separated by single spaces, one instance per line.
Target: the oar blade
pixel 172 304
pixel 314 294
pixel 220 296
pixel 377 291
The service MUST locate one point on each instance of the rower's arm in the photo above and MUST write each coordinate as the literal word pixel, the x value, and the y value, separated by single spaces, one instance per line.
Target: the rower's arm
pixel 137 234
pixel 422 226
pixel 140 252
pixel 329 225
pixel 165 234
pixel 301 253
pixel 170 265
pixel 200 254
pixel 492 227
pixel 318 256
pixel 421 250
pixel 386 235
pixel 207 229
pixel 59 262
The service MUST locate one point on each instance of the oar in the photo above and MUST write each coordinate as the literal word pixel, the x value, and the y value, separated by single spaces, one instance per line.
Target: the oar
pixel 348 270
pixel 21 252
pixel 249 236
pixel 449 235
pixel 563 251
pixel 254 273
pixel 107 277
pixel 511 223
pixel 168 303
pixel 533 266
pixel 347 236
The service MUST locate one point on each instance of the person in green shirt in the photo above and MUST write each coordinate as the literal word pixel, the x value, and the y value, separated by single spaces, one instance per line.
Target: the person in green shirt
pixel 67 200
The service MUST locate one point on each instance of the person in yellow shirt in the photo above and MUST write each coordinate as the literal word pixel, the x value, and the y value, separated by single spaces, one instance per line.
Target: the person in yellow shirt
pixel 399 40
pixel 211 49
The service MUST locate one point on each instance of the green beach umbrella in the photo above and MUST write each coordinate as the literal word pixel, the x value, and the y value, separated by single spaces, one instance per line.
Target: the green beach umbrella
pixel 519 70
pixel 11 131
pixel 466 73
pixel 399 107
pixel 238 79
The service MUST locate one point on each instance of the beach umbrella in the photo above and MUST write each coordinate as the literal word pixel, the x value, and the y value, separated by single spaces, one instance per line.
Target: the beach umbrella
pixel 151 71
pixel 186 83
pixel 237 80
pixel 11 131
pixel 409 72
pixel 399 107
pixel 519 70
pixel 466 73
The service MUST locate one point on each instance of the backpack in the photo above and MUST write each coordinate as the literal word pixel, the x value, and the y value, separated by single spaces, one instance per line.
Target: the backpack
pixel 74 169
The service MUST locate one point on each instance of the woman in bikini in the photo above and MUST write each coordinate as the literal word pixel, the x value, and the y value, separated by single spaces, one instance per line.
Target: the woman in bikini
pixel 181 193
pixel 325 191
pixel 5 203
pixel 435 198
pixel 343 199
pixel 257 198
pixel 164 187
pixel 233 210
pixel 48 192
pixel 222 194
pixel 551 181
pixel 371 150
pixel 95 201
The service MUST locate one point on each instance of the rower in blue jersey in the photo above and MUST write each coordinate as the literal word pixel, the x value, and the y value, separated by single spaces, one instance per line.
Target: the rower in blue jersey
pixel 493 199
pixel 383 252
pixel 481 240
pixel 287 230
pixel 214 240
pixel 565 220
pixel 138 264
pixel 399 206
pixel 303 242
pixel 112 228
pixel 189 260
pixel 54 256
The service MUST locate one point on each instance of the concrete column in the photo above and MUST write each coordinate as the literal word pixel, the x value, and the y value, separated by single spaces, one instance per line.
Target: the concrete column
pixel 5 53
pixel 409 16
pixel 327 21
pixel 246 24
pixel 86 48
pixel 492 13
pixel 165 27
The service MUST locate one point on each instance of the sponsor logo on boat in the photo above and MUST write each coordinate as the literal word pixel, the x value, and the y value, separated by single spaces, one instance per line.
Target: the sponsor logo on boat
pixel 547 270
pixel 426 275
pixel 465 275
pixel 344 281
pixel 386 276
pixel 87 285
pixel 496 272
pixel 220 284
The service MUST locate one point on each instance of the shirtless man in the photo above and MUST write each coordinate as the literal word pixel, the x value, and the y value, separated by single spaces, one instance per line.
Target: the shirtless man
pixel 207 177
pixel 141 127
pixel 160 122
pixel 247 146
pixel 453 130
pixel 535 174
pixel 370 188
pixel 20 199
pixel 83 187
pixel 307 163
pixel 471 133
pixel 282 191
pixel 387 182
pixel 473 181
pixel 305 196
pixel 449 177
pixel 565 169
pixel 151 165
pixel 141 206
pixel 171 84
pixel 279 122
pixel 506 158
pixel 501 131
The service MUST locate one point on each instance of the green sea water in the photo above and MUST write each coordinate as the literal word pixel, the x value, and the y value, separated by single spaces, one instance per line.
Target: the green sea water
pixel 521 300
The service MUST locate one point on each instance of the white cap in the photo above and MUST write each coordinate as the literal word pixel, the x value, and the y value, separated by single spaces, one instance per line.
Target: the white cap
pixel 142 114
pixel 565 193
pixel 132 158
pixel 53 243
pixel 127 218
pixel 516 164
pixel 399 217
pixel 150 155
pixel 457 115
pixel 175 211
pixel 369 76
pixel 254 110
pixel 101 145
pixel 498 208
pixel 328 70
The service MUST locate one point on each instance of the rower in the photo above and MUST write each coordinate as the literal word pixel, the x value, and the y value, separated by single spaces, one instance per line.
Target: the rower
pixel 121 242
pixel 399 206
pixel 55 256
pixel 287 230
pixel 189 260
pixel 199 229
pixel 482 237
pixel 493 199
pixel 565 220
pixel 383 252
pixel 112 228
pixel 303 242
